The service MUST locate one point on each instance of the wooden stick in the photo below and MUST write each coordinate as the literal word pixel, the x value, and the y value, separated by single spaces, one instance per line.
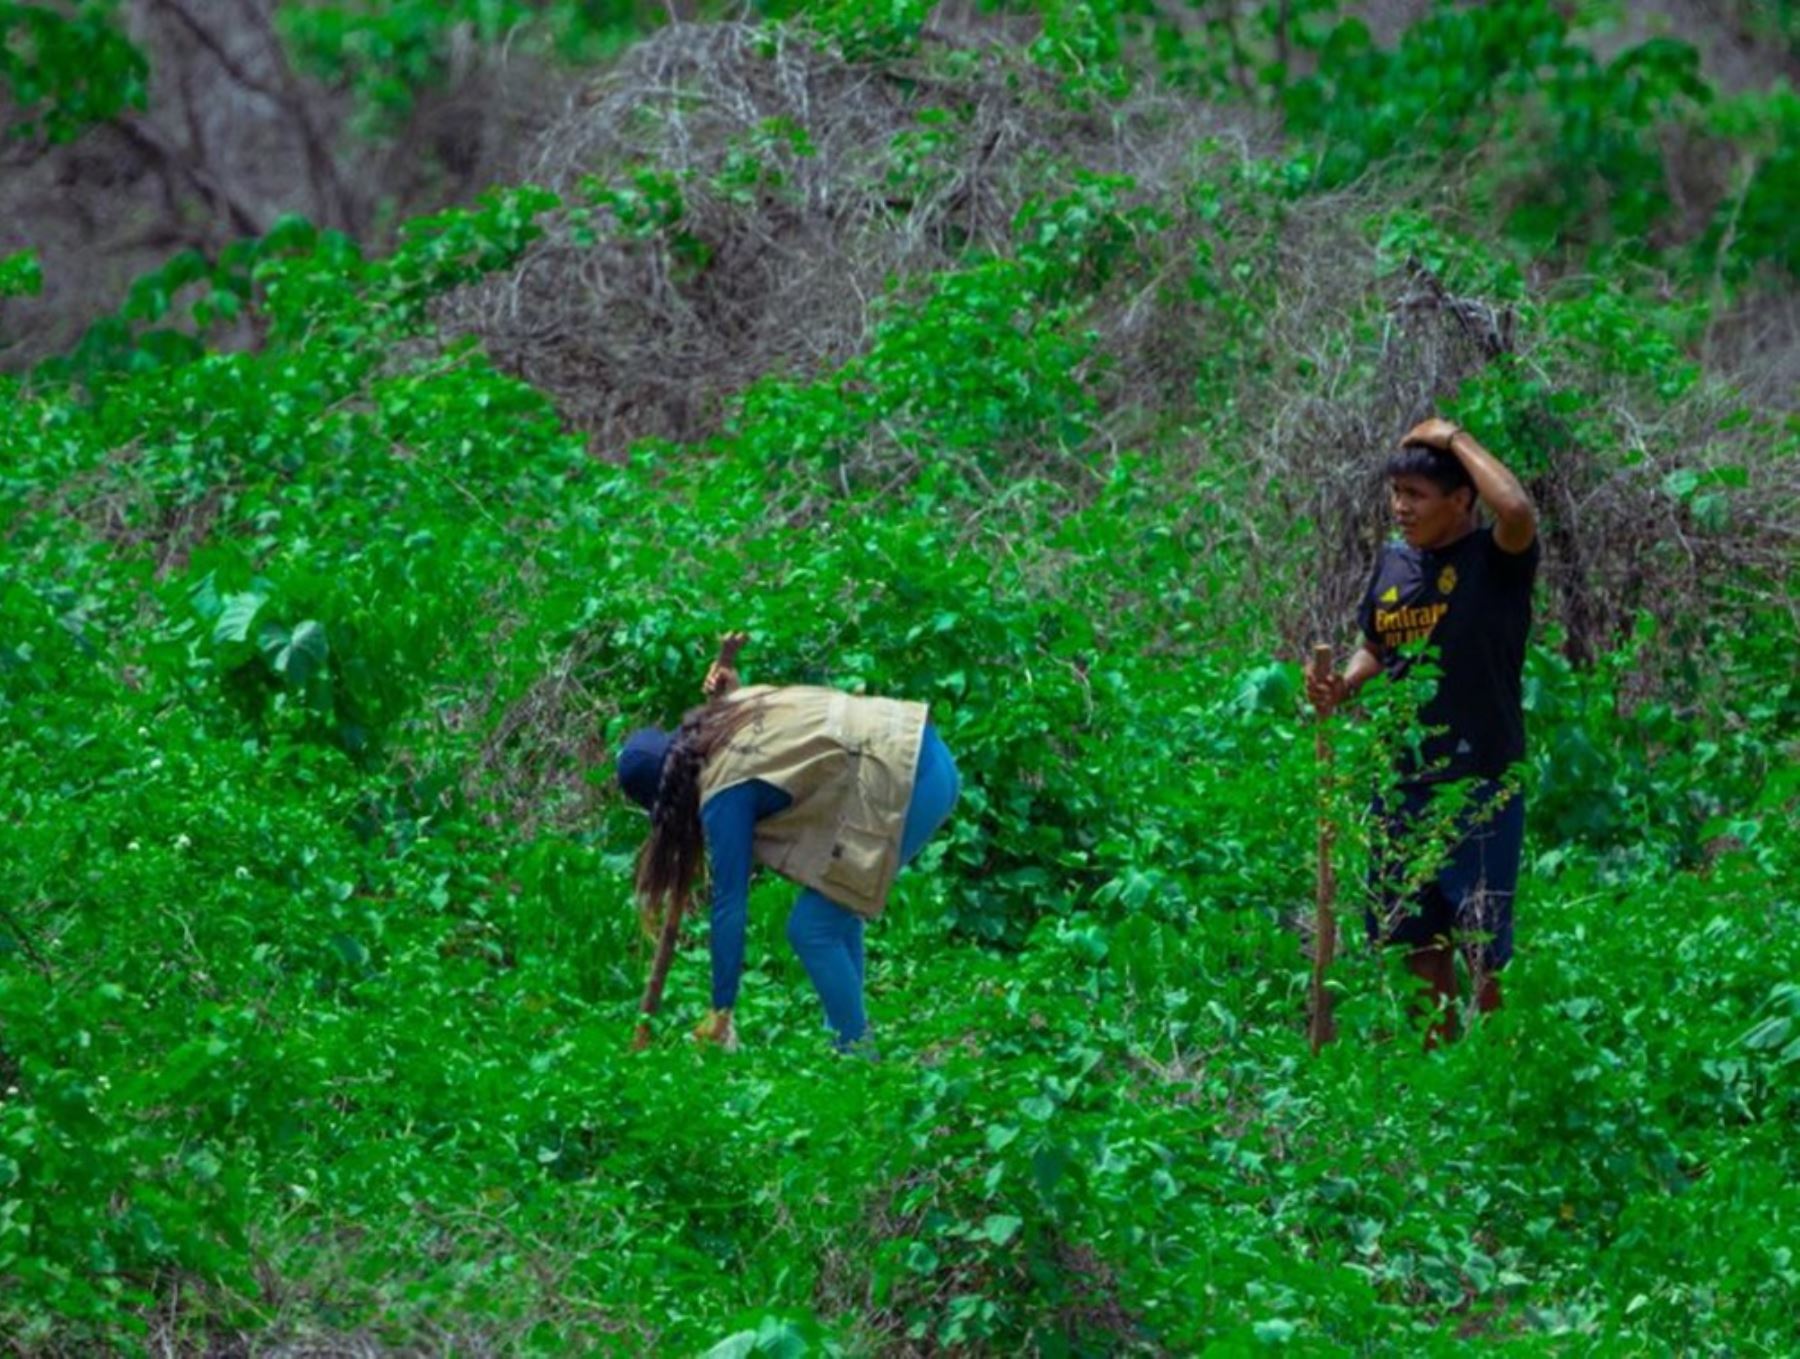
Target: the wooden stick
pixel 1322 1027
pixel 721 679
pixel 659 975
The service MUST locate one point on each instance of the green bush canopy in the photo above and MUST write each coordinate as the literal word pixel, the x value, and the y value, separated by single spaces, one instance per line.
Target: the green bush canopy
pixel 1036 361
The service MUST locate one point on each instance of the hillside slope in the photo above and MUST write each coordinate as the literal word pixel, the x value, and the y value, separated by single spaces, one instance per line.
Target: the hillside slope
pixel 1038 365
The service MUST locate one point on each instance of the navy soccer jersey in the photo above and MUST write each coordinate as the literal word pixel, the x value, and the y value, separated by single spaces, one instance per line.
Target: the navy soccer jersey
pixel 1469 603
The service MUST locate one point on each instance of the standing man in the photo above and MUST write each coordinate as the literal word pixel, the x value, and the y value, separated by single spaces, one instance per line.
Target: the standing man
pixel 1463 590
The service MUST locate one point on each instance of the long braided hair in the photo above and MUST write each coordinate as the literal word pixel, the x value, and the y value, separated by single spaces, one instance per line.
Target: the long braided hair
pixel 670 859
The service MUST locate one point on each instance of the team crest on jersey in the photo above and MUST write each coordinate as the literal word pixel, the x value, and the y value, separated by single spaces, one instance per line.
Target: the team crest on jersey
pixel 1446 580
pixel 1391 595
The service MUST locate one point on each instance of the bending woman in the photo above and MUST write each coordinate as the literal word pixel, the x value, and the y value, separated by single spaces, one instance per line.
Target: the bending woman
pixel 833 791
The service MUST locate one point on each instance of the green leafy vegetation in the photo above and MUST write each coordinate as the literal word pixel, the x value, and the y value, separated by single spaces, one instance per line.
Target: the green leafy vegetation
pixel 325 600
pixel 386 53
pixel 64 68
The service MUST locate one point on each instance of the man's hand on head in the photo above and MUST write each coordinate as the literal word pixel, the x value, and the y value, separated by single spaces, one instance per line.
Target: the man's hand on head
pixel 1433 433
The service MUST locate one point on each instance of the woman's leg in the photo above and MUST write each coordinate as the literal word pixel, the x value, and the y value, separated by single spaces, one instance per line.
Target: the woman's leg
pixel 856 956
pixel 829 939
pixel 935 787
pixel 829 942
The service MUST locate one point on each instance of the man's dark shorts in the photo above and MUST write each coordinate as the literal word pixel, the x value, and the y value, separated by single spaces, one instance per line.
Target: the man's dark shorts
pixel 1470 898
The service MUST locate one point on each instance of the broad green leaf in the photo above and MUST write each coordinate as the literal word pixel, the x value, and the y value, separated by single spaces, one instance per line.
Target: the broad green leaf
pixel 737 1346
pixel 303 653
pixel 1000 1228
pixel 238 616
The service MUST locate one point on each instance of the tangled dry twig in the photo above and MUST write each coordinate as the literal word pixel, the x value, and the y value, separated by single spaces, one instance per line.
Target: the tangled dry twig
pixel 805 184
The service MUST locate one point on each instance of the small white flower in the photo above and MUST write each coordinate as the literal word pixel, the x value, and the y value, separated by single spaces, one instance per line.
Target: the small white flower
pixel 132 847
pixel 182 841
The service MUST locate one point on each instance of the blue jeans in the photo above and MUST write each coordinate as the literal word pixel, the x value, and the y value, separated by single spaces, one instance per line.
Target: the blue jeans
pixel 829 939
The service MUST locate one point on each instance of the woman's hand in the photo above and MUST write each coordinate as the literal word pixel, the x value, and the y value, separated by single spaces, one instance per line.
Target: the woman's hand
pixel 722 675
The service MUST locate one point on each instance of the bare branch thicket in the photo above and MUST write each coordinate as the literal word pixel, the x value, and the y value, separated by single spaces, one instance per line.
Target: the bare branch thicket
pixel 1738 49
pixel 633 338
pixel 1617 541
pixel 1324 405
pixel 233 138
pixel 1757 342
pixel 534 761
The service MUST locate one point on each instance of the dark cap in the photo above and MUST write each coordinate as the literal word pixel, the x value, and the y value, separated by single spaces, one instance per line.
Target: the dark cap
pixel 641 764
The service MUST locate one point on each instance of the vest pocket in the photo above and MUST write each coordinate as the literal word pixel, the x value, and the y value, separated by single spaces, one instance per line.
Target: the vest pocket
pixel 858 861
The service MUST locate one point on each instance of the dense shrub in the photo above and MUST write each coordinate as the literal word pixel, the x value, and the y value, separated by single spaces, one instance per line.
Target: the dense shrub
pixel 316 951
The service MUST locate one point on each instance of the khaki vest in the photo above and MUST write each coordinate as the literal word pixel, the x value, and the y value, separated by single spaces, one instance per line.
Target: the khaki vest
pixel 848 763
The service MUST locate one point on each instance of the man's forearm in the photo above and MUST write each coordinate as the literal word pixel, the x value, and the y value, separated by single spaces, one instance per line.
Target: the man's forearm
pixel 1498 488
pixel 1364 666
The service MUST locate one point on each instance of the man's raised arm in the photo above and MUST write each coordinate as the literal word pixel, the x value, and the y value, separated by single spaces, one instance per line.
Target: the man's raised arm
pixel 1515 517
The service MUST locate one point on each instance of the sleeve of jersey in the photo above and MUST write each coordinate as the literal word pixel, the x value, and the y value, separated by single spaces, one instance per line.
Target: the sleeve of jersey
pixel 729 819
pixel 1365 610
pixel 1516 566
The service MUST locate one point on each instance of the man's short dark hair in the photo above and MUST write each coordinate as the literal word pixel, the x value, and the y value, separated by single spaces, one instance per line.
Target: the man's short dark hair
pixel 1443 470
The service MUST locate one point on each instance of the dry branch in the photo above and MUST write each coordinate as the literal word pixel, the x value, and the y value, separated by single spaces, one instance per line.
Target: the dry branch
pixel 801 200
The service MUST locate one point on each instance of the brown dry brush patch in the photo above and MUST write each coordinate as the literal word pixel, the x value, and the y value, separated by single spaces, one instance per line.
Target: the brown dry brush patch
pixel 1756 340
pixel 532 767
pixel 774 270
pixel 134 518
pixel 171 1337
pixel 233 137
pixel 1620 541
pixel 1357 356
